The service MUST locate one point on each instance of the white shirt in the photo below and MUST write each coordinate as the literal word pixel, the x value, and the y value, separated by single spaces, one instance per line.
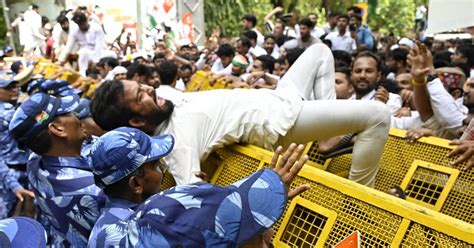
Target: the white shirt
pixel 34 33
pixel 257 51
pixel 204 121
pixel 93 39
pixel 344 42
pixel 394 102
pixel 60 36
pixel 219 69
pixel 260 37
pixel 317 32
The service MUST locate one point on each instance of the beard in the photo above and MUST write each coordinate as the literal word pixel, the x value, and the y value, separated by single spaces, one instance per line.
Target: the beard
pixel 163 114
pixel 363 91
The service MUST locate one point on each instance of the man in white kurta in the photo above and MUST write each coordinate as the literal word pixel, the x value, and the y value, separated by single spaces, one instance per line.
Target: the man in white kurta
pixel 204 121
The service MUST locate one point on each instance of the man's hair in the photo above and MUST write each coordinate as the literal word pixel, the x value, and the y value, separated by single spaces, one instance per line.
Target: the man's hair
pixel 62 19
pixel 333 14
pixel 467 51
pixel 159 56
pixel 293 54
pixel 79 17
pixel 342 56
pixel 106 109
pixel 225 50
pixel 168 72
pixel 268 62
pixel 269 36
pixel 250 18
pixel 252 35
pixel 245 41
pixel 140 69
pixel 307 22
pixel 186 67
pixel 346 70
pixel 358 17
pixel 110 61
pixel 40 144
pixel 116 189
pixel 367 54
pixel 34 6
pixel 398 54
pixel 357 10
pixel 343 16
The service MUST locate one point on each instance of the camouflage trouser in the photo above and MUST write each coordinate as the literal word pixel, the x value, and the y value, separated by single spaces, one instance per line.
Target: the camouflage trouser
pixel 8 200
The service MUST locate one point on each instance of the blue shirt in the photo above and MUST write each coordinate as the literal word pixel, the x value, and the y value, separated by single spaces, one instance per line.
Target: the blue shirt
pixel 67 196
pixel 8 185
pixel 8 146
pixel 364 35
pixel 110 228
pixel 193 215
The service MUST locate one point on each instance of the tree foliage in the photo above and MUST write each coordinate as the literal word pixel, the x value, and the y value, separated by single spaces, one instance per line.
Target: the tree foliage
pixel 395 16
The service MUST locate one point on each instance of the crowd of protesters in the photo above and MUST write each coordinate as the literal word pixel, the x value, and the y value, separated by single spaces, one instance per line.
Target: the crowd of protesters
pixel 85 158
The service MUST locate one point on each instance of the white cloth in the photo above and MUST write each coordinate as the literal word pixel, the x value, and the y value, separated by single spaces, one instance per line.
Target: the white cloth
pixel 34 31
pixel 204 121
pixel 394 102
pixel 260 37
pixel 257 51
pixel 344 42
pixel 219 69
pixel 449 112
pixel 317 32
pixel 91 45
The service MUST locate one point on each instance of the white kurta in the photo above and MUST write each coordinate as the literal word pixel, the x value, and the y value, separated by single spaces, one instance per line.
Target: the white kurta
pixel 204 121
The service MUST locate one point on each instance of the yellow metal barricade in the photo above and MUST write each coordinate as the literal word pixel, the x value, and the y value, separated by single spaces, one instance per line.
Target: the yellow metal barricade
pixel 421 169
pixel 334 207
pixel 201 82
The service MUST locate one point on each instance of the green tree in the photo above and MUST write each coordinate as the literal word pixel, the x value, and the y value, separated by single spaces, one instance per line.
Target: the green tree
pixel 3 30
pixel 397 16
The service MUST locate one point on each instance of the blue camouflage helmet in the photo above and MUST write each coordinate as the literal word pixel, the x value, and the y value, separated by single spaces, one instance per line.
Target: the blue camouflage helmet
pixel 37 112
pixel 19 232
pixel 6 79
pixel 52 87
pixel 120 152
pixel 206 215
pixel 83 109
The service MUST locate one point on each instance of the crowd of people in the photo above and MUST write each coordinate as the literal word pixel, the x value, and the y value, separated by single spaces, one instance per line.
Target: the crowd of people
pixel 86 158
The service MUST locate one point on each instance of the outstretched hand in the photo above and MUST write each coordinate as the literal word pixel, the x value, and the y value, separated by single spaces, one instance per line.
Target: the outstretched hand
pixel 22 193
pixel 421 62
pixel 288 166
pixel 465 148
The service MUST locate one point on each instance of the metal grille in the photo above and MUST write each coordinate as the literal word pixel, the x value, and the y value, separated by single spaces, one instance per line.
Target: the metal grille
pixel 420 236
pixel 235 167
pixel 306 225
pixel 396 161
pixel 427 185
pixel 303 228
pixel 313 154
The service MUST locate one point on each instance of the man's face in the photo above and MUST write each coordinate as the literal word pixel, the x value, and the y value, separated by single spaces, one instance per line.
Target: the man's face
pixel 72 127
pixel 313 18
pixel 278 29
pixel 404 81
pixel 65 26
pixel 84 26
pixel 353 21
pixel 10 93
pixel 257 66
pixel 269 45
pixel 144 103
pixel 458 58
pixel 241 49
pixel 152 178
pixel 391 65
pixel 342 23
pixel 120 76
pixel 344 88
pixel 305 32
pixel 469 95
pixel 332 21
pixel 226 60
pixel 237 70
pixel 364 75
pixel 185 75
pixel 246 24
pixel 91 127
pixel 154 81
